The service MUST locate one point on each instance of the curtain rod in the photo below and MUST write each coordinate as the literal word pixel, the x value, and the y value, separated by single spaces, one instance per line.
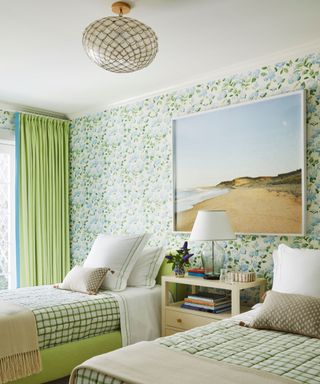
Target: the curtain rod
pixel 42 115
pixel 22 109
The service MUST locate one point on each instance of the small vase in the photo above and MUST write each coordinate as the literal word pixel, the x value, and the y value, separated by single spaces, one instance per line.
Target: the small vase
pixel 179 271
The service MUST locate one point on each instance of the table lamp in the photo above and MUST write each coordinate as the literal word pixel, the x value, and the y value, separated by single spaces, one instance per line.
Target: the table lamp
pixel 211 226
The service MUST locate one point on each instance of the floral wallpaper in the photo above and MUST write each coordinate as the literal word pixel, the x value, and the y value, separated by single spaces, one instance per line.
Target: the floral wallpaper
pixel 7 120
pixel 121 175
pixel 6 123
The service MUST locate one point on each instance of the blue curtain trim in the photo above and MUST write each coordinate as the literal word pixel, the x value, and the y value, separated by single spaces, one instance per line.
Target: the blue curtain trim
pixel 17 134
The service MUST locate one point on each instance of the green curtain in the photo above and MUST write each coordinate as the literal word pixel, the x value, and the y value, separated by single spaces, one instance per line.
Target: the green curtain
pixel 43 200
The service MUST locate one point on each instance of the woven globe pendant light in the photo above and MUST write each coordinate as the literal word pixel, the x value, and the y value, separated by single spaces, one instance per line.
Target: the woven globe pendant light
pixel 120 44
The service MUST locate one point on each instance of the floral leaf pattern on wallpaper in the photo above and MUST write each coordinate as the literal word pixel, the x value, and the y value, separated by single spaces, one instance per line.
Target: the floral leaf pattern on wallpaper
pixel 7 120
pixel 121 174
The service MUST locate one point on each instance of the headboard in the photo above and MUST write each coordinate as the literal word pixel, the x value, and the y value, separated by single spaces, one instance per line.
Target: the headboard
pixel 165 269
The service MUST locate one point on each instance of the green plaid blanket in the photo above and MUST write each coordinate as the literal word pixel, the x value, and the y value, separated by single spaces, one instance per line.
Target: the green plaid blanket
pixel 64 316
pixel 292 356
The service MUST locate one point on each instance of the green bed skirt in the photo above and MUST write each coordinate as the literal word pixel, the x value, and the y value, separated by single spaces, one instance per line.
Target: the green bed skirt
pixel 59 361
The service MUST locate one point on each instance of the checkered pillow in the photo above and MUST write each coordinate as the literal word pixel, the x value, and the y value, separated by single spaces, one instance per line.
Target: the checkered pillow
pixel 289 313
pixel 84 279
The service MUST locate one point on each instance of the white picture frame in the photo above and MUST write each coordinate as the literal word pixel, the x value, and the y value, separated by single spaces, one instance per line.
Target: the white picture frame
pixel 276 129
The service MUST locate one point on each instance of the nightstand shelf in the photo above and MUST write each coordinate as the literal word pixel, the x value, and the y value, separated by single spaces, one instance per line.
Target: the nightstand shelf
pixel 177 319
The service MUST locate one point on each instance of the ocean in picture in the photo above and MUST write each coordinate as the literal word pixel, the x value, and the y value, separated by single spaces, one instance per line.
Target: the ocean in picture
pixel 188 198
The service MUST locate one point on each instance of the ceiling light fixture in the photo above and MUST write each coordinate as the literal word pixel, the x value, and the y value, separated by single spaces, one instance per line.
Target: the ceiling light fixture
pixel 120 44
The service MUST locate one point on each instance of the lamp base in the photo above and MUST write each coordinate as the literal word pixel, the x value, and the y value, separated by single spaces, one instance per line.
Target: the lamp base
pixel 211 276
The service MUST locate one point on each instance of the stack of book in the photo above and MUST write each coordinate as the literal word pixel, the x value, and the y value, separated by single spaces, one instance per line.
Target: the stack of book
pixel 196 272
pixel 208 302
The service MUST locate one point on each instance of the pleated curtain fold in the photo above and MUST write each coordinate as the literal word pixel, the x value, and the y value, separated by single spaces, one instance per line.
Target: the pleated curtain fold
pixel 43 199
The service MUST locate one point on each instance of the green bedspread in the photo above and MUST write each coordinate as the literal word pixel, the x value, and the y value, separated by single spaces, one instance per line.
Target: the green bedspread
pixel 64 316
pixel 292 356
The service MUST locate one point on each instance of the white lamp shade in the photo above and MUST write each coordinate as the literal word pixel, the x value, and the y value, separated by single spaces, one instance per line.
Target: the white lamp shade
pixel 212 225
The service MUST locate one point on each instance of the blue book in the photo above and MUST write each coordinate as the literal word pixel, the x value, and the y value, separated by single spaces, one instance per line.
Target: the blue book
pixel 195 274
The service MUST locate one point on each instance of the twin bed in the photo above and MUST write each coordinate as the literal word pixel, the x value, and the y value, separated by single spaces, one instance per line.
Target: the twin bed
pixel 271 356
pixel 73 327
pixel 74 320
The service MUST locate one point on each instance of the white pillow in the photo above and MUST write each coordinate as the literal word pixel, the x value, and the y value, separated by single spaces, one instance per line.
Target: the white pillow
pixel 85 280
pixel 275 256
pixel 118 253
pixel 297 271
pixel 145 271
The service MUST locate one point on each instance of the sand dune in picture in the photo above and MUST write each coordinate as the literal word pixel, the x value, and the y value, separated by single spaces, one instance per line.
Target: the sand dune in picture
pixel 255 205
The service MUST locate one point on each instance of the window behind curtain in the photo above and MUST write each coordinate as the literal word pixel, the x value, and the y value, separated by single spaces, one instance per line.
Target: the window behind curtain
pixel 7 215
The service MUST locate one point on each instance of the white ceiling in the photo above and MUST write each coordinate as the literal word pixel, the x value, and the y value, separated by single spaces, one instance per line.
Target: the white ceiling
pixel 44 66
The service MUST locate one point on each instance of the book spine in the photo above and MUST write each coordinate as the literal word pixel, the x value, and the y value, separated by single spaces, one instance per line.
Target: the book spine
pixel 195 274
pixel 194 301
pixel 191 305
pixel 216 311
pixel 208 300
pixel 200 302
pixel 204 299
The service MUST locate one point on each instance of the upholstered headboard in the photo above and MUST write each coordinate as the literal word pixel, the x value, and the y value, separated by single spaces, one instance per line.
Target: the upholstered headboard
pixel 165 269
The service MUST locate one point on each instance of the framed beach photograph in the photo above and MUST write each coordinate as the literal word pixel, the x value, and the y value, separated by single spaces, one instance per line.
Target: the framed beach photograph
pixel 247 159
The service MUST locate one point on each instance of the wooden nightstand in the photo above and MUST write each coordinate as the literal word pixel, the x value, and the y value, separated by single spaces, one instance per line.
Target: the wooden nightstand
pixel 177 319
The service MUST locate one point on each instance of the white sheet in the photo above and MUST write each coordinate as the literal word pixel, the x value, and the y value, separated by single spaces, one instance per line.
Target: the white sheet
pixel 249 315
pixel 140 314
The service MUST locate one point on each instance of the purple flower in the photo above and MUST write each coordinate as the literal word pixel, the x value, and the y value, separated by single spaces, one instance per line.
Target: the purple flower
pixel 185 245
pixel 186 257
pixel 180 257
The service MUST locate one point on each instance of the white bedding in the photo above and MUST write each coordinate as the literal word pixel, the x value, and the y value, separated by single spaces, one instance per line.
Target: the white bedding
pixel 249 315
pixel 140 314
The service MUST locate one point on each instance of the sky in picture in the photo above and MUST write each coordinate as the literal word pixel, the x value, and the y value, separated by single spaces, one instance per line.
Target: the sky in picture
pixel 257 139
